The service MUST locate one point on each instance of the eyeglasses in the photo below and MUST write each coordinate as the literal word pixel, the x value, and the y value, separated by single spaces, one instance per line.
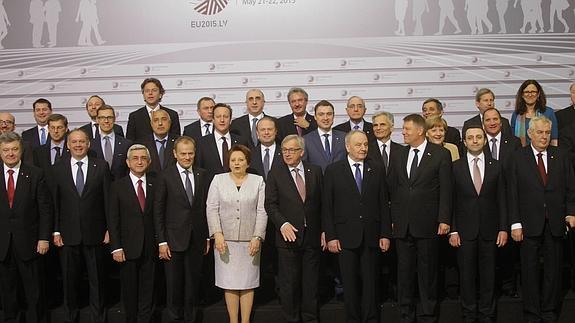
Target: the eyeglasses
pixel 290 150
pixel 7 122
pixel 107 118
pixel 530 92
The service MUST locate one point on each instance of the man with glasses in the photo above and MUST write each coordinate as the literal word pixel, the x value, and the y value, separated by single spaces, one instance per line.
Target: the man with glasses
pixel 8 124
pixel 92 105
pixel 109 146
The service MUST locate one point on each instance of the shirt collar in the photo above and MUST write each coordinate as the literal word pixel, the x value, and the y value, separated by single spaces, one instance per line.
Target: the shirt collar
pixel 471 157
pixel 321 132
pixel 16 168
pixel 498 137
pixel 360 124
pixel 111 135
pixel 299 167
pixel 352 162
pixel 421 147
pixel 259 116
pixel 387 143
pixel 160 139
pixel 181 169
pixel 84 160
pixel 152 109
pixel 535 151
pixel 135 179
pixel 204 123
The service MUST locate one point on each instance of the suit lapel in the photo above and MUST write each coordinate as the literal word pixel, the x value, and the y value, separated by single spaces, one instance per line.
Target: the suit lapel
pixel 3 192
pixel 367 170
pixel 532 163
pixel 316 142
pixel 91 173
pixel 292 185
pixel 551 164
pixel 336 145
pixel 70 179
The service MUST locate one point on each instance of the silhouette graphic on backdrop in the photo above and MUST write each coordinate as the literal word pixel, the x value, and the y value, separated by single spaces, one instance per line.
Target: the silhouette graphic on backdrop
pixel 557 7
pixel 447 10
pixel 501 6
pixel 52 10
pixel 88 15
pixel 419 8
pixel 477 16
pixel 532 15
pixel 400 14
pixel 37 19
pixel 4 23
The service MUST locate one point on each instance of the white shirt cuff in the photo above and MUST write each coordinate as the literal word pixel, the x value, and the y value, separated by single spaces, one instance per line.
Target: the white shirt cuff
pixel 120 249
pixel 55 233
pixel 162 243
pixel 516 226
pixel 283 225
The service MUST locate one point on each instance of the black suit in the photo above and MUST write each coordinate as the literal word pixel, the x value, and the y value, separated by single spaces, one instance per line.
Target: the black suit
pixel 241 126
pixel 118 168
pixel 299 260
pixel 478 218
pixel 88 128
pixel 565 117
pixel 418 205
pixel 208 156
pixel 81 221
pixel 184 227
pixel 477 120
pixel 257 164
pixel 29 220
pixel 33 137
pixel 193 130
pixel 132 230
pixel 358 220
pixel 367 128
pixel 374 153
pixel 139 125
pixel 169 159
pixel 287 127
pixel 541 211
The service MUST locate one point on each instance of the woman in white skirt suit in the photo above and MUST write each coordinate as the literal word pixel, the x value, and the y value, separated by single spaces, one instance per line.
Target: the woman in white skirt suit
pixel 237 221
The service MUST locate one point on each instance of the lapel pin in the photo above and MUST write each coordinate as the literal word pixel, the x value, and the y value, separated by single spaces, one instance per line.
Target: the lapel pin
pixel 551 156
pixel 428 154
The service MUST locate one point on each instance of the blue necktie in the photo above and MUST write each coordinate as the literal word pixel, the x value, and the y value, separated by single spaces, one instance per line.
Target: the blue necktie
pixel 79 178
pixel 327 147
pixel 188 187
pixel 358 178
pixel 266 163
pixel 161 152
pixel 43 136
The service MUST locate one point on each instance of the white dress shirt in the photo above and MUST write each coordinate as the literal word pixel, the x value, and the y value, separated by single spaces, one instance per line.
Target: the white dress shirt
pixel 411 154
pixel 16 170
pixel 219 142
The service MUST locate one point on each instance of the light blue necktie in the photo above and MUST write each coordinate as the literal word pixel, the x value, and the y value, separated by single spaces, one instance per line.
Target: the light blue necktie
pixel 79 178
pixel 43 136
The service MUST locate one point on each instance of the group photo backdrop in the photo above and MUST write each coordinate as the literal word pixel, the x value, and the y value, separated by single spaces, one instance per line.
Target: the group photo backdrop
pixel 393 53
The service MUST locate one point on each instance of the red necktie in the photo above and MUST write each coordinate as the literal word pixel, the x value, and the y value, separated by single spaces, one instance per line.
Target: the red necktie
pixel 10 187
pixel 141 196
pixel 225 154
pixel 541 168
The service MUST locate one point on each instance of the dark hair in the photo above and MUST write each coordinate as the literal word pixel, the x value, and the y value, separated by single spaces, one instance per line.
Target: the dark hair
pixel 294 90
pixel 245 150
pixel 155 81
pixel 417 119
pixel 268 118
pixel 437 102
pixel 473 126
pixel 184 139
pixel 223 105
pixel 493 109
pixel 202 99
pixel 94 96
pixel 481 92
pixel 57 117
pixel 41 100
pixel 107 107
pixel 323 103
pixel 540 104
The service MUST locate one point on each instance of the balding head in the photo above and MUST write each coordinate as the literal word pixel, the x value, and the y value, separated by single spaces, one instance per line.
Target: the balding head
pixel 7 122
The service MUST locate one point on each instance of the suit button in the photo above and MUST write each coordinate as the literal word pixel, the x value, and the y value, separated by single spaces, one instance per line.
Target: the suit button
pixel 238 218
pixel 238 210
pixel 360 217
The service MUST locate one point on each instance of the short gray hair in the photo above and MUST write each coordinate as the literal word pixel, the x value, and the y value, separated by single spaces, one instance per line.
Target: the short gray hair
pixel 9 137
pixel 386 114
pixel 351 133
pixel 300 141
pixel 135 147
pixel 540 119
pixel 297 90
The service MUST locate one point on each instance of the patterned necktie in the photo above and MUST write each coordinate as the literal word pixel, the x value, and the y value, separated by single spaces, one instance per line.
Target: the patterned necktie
pixel 384 157
pixel 43 136
pixel 299 130
pixel 414 162
pixel 161 151
pixel 541 167
pixel 79 178
pixel 225 154
pixel 266 162
pixel 10 189
pixel 108 155
pixel 254 131
pixel 476 176
pixel 358 178
pixel 57 155
pixel 299 183
pixel 207 132
pixel 141 196
pixel 494 148
pixel 356 127
pixel 326 146
pixel 188 187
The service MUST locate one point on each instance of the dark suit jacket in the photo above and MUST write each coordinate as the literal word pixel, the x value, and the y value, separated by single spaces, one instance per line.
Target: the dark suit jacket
pixel 350 216
pixel 567 142
pixel 87 128
pixel 315 153
pixel 119 168
pixel 208 157
pixel 241 126
pixel 43 159
pixel 257 164
pixel 139 123
pixel 193 130
pixel 27 153
pixel 175 220
pixel 530 200
pixel 283 204
pixel 477 121
pixel 374 154
pixel 507 146
pixel 453 136
pixel 480 215
pixel 565 117
pixel 169 159
pixel 367 128
pixel 423 202
pixel 287 127
pixel 30 218
pixel 81 218
pixel 31 135
pixel 129 227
